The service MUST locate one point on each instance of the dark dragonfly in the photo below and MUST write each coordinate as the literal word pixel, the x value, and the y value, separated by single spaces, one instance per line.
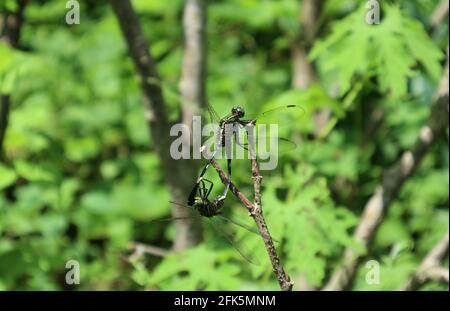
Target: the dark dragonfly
pixel 211 211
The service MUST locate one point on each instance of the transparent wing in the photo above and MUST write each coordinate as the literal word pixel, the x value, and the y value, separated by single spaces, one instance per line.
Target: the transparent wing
pixel 177 218
pixel 263 143
pixel 278 114
pixel 175 96
pixel 196 216
pixel 248 228
pixel 268 132
pixel 214 116
pixel 221 229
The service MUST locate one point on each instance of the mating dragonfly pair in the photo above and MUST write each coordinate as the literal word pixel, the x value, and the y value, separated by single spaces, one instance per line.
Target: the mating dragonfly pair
pixel 198 199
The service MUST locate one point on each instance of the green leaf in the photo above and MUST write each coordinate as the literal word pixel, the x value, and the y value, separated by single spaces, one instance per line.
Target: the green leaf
pixel 388 51
pixel 33 172
pixel 181 270
pixel 7 176
pixel 304 219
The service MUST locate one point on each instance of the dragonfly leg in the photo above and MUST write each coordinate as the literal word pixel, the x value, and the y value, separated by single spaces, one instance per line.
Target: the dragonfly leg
pixel 228 152
pixel 191 198
pixel 211 185
pixel 238 143
pixel 195 189
pixel 206 167
pixel 203 191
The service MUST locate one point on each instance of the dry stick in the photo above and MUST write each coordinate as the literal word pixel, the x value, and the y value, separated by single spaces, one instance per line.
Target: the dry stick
pixel 430 268
pixel 140 248
pixel 391 184
pixel 256 212
pixel 283 279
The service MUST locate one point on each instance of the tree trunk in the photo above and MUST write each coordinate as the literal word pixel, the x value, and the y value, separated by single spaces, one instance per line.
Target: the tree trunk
pixel 193 94
pixel 177 173
pixel 303 71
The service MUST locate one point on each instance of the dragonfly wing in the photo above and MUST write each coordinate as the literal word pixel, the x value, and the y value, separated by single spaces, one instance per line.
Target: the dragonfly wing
pixel 278 114
pixel 196 216
pixel 177 218
pixel 269 144
pixel 248 228
pixel 272 144
pixel 213 115
pixel 179 204
pixel 220 228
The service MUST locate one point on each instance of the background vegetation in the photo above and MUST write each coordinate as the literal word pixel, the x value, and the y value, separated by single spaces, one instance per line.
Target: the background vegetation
pixel 81 178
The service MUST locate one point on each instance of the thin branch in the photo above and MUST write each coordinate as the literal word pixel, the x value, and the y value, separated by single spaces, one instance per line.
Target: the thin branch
pixel 430 268
pixel 392 181
pixel 140 249
pixel 188 231
pixel 255 211
pixel 438 274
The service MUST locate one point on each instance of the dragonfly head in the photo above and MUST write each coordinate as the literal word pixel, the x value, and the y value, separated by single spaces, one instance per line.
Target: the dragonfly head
pixel 238 111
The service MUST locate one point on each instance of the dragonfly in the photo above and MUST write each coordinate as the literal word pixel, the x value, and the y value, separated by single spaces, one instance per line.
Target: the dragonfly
pixel 212 211
pixel 236 118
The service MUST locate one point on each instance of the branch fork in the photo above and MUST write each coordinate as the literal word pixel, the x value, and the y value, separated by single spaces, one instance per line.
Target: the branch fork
pixel 255 212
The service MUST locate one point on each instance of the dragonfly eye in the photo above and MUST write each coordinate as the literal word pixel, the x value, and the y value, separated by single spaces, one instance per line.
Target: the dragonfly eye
pixel 240 112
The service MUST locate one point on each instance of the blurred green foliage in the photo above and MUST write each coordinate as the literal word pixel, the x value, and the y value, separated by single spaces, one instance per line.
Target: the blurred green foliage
pixel 80 179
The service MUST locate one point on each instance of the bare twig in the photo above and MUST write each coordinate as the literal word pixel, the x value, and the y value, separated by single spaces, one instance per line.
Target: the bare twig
pixel 255 211
pixel 391 183
pixel 140 249
pixel 438 274
pixel 188 230
pixel 430 268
